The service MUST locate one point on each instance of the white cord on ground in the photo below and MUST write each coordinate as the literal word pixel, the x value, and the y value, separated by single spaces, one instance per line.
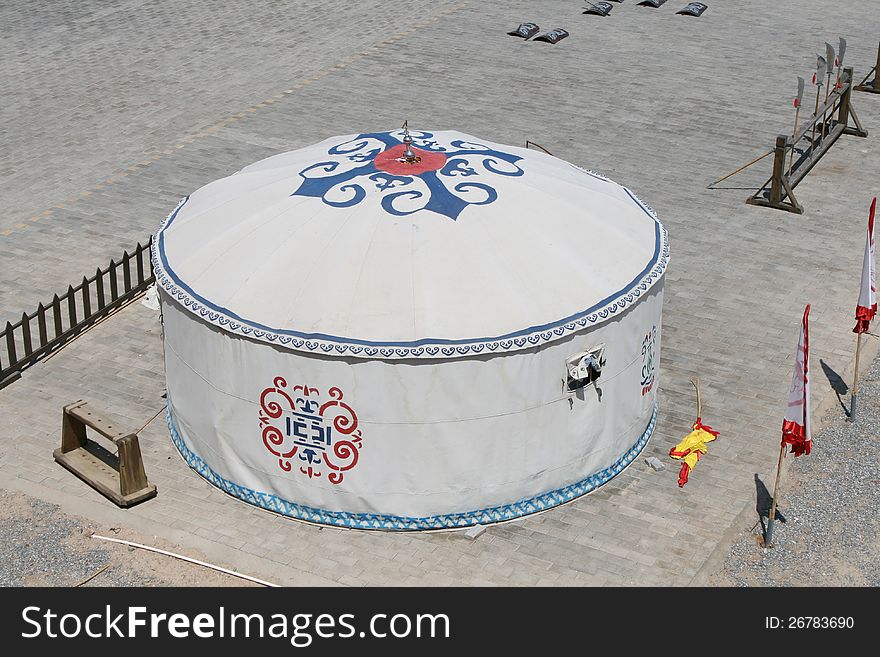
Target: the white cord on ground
pixel 188 559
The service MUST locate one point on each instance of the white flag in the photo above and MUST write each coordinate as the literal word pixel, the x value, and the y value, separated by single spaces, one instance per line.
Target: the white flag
pixel 866 307
pixel 796 421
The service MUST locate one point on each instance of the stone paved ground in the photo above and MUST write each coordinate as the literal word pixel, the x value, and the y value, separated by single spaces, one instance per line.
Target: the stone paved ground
pixel 659 102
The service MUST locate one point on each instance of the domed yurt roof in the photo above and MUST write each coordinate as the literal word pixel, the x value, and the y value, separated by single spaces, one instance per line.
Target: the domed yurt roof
pixel 458 247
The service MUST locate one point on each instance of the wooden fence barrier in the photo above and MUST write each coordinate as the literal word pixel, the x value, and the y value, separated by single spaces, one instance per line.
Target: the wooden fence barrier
pixel 37 334
pixel 818 134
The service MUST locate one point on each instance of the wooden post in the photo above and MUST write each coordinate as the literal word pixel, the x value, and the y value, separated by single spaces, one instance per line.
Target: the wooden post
pixel 26 334
pixel 114 291
pixel 86 298
pixel 73 433
pixel 139 263
pixel 71 306
pixel 843 113
pixel 99 288
pixel 56 313
pixel 132 477
pixel 41 324
pixel 847 112
pixel 768 537
pixel 778 169
pixel 780 186
pixel 10 344
pixel 126 272
pixel 854 395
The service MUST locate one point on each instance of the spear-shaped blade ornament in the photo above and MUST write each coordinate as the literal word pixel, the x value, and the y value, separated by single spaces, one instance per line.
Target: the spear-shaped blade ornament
pixel 841 51
pixel 829 62
pixel 797 112
pixel 821 67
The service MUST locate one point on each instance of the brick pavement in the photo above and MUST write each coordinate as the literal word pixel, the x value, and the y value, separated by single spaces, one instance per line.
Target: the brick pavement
pixel 659 102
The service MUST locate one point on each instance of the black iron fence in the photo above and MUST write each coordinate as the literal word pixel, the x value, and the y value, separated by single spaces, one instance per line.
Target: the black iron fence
pixel 37 334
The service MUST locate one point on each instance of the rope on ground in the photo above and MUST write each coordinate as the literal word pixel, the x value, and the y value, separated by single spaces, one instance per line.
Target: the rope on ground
pixel 187 559
pixel 144 425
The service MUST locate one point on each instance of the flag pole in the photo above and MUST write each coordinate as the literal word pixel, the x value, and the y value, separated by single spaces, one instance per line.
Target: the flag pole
pixel 796 420
pixel 855 387
pixel 696 384
pixel 768 536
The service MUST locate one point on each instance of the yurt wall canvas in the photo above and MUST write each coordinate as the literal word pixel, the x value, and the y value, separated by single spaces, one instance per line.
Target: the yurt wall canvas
pixel 344 359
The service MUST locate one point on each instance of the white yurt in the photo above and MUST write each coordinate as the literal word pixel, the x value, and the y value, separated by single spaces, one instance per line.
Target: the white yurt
pixel 411 331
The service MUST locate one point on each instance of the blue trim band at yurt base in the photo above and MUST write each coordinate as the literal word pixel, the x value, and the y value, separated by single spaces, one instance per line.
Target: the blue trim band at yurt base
pixel 402 523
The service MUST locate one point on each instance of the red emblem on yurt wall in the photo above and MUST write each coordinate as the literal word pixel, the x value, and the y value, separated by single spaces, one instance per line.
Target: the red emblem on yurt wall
pixel 309 429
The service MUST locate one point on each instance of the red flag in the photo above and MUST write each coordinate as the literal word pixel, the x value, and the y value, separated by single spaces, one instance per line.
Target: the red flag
pixel 866 307
pixel 796 421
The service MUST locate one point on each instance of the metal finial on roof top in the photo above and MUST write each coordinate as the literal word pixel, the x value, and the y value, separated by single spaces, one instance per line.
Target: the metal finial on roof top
pixel 409 155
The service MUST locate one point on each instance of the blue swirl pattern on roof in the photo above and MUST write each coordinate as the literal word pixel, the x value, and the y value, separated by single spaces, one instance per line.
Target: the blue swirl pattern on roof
pixel 344 181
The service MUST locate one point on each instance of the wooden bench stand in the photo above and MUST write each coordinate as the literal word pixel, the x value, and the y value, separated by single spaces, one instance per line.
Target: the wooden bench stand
pixel 118 476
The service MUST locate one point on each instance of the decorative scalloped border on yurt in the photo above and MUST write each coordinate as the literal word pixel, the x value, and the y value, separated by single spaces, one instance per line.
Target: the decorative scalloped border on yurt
pixel 426 348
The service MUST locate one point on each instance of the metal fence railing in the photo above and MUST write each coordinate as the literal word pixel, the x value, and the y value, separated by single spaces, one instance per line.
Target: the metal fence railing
pixel 37 334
